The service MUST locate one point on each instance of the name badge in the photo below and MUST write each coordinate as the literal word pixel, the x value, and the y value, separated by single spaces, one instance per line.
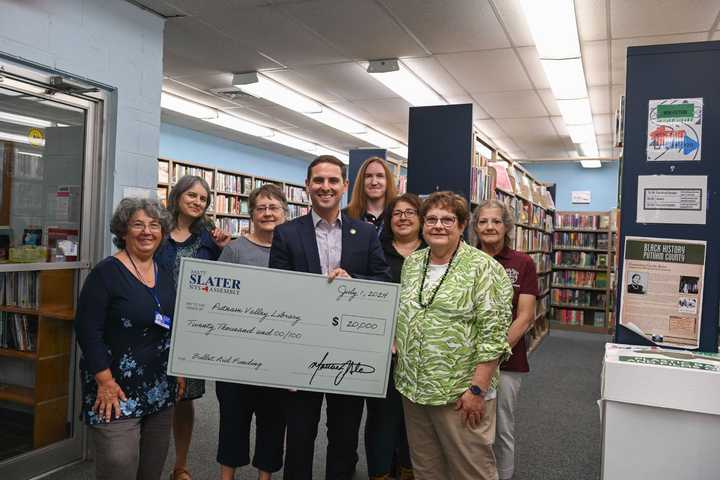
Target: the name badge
pixel 162 320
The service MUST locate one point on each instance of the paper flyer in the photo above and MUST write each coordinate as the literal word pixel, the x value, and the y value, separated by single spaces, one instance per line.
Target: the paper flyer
pixel 662 285
pixel 675 199
pixel 675 129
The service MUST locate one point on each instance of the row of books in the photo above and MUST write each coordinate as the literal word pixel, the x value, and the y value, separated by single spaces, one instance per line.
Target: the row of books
pixel 573 278
pixel 18 332
pixel 297 210
pixel 296 194
pixel 538 217
pixel 19 289
pixel 578 297
pixel 180 171
pixel 231 205
pixel 580 240
pixel 512 202
pixel 582 259
pixel 542 262
pixel 582 220
pixel 543 283
pixel 578 317
pixel 227 182
pixel 234 226
pixel 481 184
pixel 530 239
pixel 259 182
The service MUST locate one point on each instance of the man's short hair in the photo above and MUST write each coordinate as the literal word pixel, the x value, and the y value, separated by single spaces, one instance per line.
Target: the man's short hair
pixel 327 159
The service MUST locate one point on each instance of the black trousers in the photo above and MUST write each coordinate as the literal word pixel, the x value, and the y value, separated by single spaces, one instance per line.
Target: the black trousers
pixel 238 403
pixel 344 413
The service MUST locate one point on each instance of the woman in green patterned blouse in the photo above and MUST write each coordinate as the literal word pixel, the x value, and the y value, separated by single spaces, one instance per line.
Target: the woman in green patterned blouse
pixel 455 310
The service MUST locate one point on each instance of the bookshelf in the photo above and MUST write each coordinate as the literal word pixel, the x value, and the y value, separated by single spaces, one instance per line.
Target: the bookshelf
pixel 582 289
pixel 448 153
pixel 36 334
pixel 230 190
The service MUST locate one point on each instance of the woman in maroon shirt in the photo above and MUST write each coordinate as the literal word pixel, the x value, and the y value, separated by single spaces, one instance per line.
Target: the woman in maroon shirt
pixel 492 226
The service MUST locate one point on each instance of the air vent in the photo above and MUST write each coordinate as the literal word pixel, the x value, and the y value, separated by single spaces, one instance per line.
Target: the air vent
pixel 231 93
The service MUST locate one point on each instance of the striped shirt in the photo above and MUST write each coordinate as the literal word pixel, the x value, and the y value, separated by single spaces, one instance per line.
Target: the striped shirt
pixel 329 242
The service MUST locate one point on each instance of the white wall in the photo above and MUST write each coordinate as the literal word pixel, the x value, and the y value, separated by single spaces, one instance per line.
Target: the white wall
pixel 107 41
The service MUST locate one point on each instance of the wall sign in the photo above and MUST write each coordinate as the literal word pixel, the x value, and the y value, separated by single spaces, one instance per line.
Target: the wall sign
pixel 675 129
pixel 581 196
pixel 675 199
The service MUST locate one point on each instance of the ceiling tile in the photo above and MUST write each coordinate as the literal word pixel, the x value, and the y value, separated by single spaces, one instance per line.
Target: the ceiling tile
pixel 354 111
pixel 398 130
pixel 596 63
pixel 716 35
pixel 512 104
pixel 490 128
pixel 605 141
pixel 549 101
pixel 592 19
pixel 435 75
pixel 600 99
pixel 546 148
pixel 528 127
pixel 619 49
pixel 513 17
pixel 603 124
pixel 560 126
pixel 474 25
pixel 531 60
pixel 506 143
pixel 487 71
pixel 478 111
pixel 608 153
pixel 632 18
pixel 362 30
pixel 388 110
pixel 194 43
pixel 269 120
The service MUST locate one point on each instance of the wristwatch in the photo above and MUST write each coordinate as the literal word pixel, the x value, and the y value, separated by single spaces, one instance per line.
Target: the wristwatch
pixel 477 391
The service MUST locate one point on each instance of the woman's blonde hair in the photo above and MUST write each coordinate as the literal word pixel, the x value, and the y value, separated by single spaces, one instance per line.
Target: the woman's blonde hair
pixel 358 201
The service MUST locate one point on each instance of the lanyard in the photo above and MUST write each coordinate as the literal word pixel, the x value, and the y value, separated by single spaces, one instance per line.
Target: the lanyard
pixel 152 291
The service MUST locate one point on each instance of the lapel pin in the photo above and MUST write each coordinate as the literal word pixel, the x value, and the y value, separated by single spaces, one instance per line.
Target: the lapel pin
pixel 353 231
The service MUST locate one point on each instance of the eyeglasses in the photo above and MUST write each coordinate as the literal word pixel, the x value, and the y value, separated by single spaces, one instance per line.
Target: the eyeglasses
pixel 140 227
pixel 445 221
pixel 409 213
pixel 269 208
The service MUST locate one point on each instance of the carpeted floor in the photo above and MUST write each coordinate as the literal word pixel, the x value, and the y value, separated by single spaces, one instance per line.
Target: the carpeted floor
pixel 558 435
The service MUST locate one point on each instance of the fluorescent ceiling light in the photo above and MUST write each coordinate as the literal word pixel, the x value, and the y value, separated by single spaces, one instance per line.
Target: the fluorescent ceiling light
pixel 277 93
pixel 590 163
pixel 589 149
pixel 376 138
pixel 338 121
pixel 581 133
pixel 575 112
pixel 294 142
pixel 553 27
pixel 29 154
pixel 240 125
pixel 23 120
pixel 187 107
pixel 567 78
pixel 401 80
pixel 14 137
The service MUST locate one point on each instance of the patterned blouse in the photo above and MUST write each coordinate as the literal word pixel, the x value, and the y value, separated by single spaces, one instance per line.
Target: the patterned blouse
pixel 115 325
pixel 440 346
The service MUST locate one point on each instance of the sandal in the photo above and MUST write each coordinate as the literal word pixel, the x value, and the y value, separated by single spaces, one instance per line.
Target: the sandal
pixel 180 474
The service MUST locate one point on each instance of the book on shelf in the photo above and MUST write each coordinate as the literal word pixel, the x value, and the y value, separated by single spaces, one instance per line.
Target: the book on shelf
pixel 164 172
pixel 247 185
pixel 18 332
pixel 502 177
pixel 576 220
pixel 180 170
pixel 575 239
pixel 296 194
pixel 602 260
pixel 19 289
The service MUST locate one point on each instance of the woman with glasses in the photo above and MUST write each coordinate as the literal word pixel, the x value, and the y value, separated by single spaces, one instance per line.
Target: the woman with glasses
pixel 373 190
pixel 192 235
pixel 238 402
pixel 385 436
pixel 123 322
pixel 492 226
pixel 455 310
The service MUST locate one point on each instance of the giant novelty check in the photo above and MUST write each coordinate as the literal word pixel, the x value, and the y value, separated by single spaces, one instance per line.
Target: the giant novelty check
pixel 243 324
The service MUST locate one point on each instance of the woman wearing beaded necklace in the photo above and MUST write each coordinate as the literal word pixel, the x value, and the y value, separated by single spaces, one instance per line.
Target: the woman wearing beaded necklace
pixel 455 310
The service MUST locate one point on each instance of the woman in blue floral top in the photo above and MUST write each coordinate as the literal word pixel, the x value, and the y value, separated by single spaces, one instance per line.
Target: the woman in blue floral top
pixel 192 235
pixel 123 328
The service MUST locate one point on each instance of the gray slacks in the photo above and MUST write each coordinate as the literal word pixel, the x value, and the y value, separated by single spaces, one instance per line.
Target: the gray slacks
pixel 133 447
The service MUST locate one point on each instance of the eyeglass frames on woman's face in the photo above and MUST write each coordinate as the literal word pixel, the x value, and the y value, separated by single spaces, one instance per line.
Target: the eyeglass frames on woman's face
pixel 268 208
pixel 446 222
pixel 409 213
pixel 140 226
